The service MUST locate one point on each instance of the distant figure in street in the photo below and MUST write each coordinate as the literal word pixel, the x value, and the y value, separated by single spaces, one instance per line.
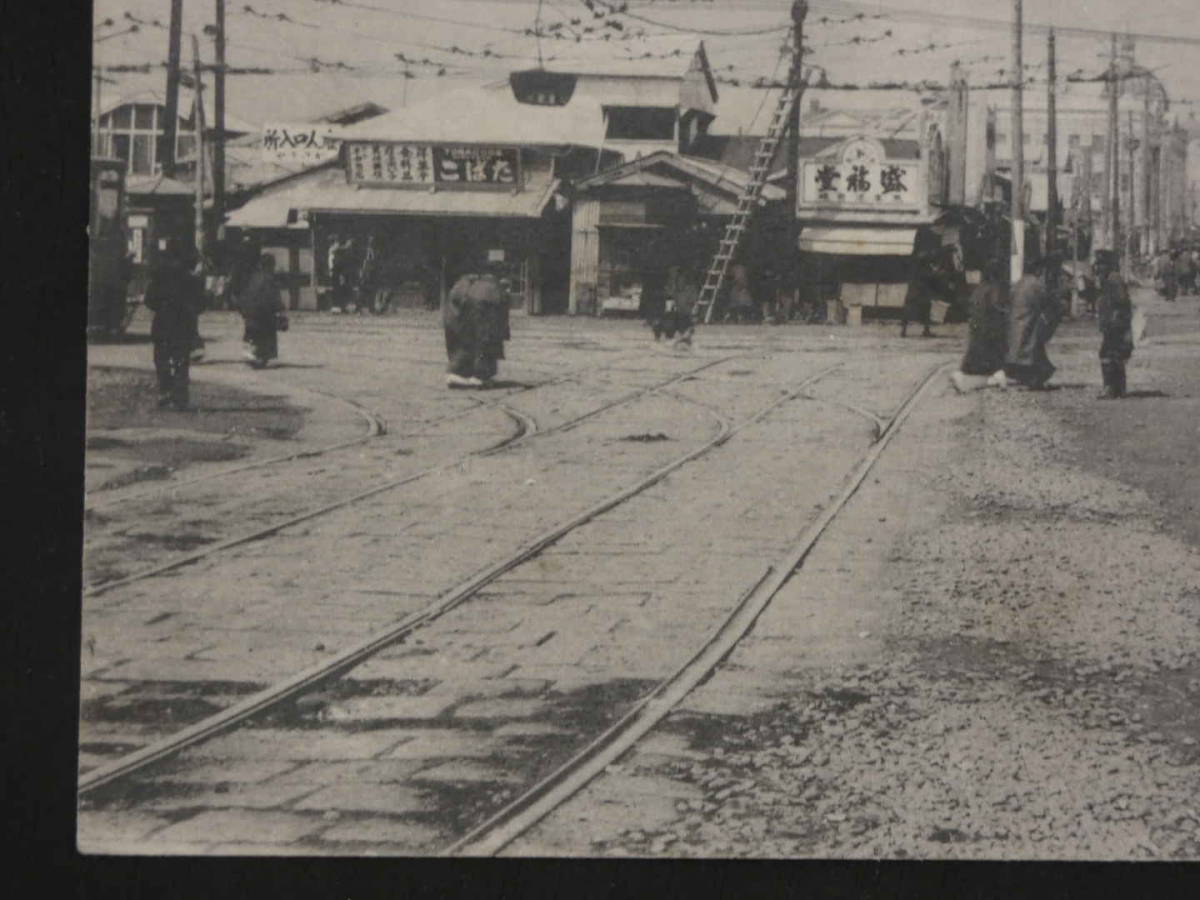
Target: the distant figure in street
pixel 741 298
pixel 175 294
pixel 929 281
pixel 1184 276
pixel 340 267
pixel 261 308
pixel 983 363
pixel 242 265
pixel 1115 318
pixel 372 295
pixel 677 323
pixel 475 320
pixel 1165 278
pixel 1033 316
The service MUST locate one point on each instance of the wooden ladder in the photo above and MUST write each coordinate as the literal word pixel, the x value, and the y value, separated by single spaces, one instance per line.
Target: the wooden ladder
pixel 759 170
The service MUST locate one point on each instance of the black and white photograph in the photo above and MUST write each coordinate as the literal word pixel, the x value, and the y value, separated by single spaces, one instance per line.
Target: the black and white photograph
pixel 663 429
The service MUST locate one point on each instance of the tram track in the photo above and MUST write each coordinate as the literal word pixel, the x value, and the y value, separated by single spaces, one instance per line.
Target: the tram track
pixel 538 801
pixel 306 680
pixel 525 427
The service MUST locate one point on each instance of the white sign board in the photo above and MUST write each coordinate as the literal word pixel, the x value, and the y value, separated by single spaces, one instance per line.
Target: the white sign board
pixel 300 144
pixel 871 185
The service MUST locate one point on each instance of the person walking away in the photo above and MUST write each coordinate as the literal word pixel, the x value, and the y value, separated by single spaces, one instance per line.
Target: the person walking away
pixel 1033 316
pixel 261 307
pixel 1115 318
pixel 175 295
pixel 1164 276
pixel 475 323
pixel 983 363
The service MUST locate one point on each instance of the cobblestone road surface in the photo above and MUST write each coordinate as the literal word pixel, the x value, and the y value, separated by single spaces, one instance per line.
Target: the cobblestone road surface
pixel 877 708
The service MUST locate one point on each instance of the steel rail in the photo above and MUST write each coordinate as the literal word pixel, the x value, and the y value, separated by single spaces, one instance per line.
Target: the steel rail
pixel 526 428
pixel 352 656
pixel 524 812
pixel 376 427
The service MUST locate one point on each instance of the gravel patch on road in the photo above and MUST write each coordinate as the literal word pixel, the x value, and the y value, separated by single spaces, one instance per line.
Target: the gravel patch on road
pixel 1031 689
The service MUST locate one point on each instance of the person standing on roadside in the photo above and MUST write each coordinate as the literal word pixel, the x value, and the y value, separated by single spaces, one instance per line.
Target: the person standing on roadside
pixel 1115 317
pixel 261 308
pixel 930 280
pixel 1033 316
pixel 175 294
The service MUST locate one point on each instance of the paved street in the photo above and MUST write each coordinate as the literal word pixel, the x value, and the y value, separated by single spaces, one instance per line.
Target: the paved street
pixel 989 652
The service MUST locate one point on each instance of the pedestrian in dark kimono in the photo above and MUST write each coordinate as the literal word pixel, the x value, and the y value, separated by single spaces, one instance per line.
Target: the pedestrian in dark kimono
pixel 983 363
pixel 676 322
pixel 176 296
pixel 475 320
pixel 1183 272
pixel 261 307
pixel 928 283
pixel 741 297
pixel 1115 318
pixel 1033 316
pixel 1164 276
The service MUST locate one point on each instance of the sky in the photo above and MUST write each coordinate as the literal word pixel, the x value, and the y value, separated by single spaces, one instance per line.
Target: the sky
pixel 448 44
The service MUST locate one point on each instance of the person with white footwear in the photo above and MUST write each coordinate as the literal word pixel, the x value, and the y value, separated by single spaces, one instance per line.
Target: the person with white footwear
pixel 475 321
pixel 983 363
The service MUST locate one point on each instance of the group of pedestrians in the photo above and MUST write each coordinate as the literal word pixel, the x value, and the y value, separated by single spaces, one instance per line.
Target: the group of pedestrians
pixel 1009 329
pixel 176 297
pixel 1176 273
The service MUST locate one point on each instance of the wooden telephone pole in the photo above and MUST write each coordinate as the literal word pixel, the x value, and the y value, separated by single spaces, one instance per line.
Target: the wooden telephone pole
pixel 795 74
pixel 198 126
pixel 1112 162
pixel 1017 206
pixel 171 128
pixel 218 156
pixel 1051 151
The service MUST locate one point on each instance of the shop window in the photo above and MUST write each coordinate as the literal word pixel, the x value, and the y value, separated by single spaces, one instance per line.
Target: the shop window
pixel 641 123
pixel 105 121
pixel 120 146
pixel 143 117
pixel 185 146
pixel 142 155
pixel 122 117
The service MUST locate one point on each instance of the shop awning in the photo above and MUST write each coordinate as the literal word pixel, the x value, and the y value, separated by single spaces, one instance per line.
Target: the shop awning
pixel 859 241
pixel 325 190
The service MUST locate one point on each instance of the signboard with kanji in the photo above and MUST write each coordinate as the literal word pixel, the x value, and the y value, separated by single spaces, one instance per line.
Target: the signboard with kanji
pixel 291 144
pixel 871 185
pixel 427 165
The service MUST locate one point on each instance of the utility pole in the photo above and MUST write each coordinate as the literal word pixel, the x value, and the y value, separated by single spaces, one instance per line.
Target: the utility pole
pixel 218 213
pixel 1051 151
pixel 1145 187
pixel 1018 160
pixel 1106 212
pixel 171 129
pixel 198 125
pixel 795 74
pixel 1112 167
pixel 1131 145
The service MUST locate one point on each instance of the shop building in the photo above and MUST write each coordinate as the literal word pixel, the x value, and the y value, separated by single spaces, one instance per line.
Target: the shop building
pixel 634 223
pixel 478 175
pixel 870 183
